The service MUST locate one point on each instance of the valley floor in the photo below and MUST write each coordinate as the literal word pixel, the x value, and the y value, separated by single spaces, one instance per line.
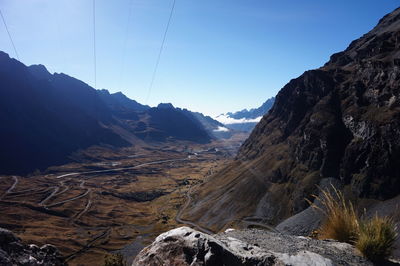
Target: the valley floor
pixel 110 200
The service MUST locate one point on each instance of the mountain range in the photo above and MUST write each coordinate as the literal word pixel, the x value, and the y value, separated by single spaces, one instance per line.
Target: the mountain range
pixel 340 122
pixel 245 120
pixel 45 117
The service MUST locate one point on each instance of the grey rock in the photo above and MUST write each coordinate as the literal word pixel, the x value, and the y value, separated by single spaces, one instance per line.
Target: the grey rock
pixel 7 237
pixel 14 252
pixel 185 246
pixel 304 222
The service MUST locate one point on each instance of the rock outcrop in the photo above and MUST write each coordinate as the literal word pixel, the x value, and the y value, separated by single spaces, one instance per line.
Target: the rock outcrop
pixel 341 121
pixel 14 252
pixel 185 246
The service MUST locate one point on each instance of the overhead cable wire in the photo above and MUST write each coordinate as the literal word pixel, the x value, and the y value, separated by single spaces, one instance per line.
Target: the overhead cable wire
pixel 160 52
pixel 9 35
pixel 94 44
pixel 125 43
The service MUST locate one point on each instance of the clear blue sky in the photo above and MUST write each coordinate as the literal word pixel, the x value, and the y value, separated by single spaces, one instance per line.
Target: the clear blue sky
pixel 220 55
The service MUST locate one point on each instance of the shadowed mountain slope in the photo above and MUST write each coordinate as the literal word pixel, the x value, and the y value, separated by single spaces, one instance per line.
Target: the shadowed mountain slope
pixel 341 121
pixel 121 104
pixel 39 126
pixel 45 117
pixel 167 122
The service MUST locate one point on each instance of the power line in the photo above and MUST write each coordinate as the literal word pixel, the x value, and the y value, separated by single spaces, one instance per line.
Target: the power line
pixel 9 35
pixel 160 51
pixel 94 44
pixel 125 43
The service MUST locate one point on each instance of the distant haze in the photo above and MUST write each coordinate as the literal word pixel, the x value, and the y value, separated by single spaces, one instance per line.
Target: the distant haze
pixel 219 56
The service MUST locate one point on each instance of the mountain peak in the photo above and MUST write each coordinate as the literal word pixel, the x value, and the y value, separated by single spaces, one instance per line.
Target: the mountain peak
pixel 165 106
pixel 119 93
pixel 39 71
pixel 246 119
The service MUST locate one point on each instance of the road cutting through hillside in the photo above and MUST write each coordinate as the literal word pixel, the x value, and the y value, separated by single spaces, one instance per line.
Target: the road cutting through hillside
pixel 124 168
pixel 11 188
pixel 90 244
pixel 178 218
pixel 42 203
pixel 55 192
pixel 88 204
pixel 71 199
pixel 82 178
pixel 56 189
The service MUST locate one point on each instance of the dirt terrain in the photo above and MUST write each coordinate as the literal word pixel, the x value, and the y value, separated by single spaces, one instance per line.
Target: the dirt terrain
pixel 109 200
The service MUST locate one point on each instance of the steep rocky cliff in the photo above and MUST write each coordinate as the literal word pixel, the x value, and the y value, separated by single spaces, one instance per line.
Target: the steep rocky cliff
pixel 340 121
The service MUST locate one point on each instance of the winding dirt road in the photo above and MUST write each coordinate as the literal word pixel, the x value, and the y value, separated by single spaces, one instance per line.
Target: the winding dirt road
pixel 56 189
pixel 124 168
pixel 11 188
pixel 193 224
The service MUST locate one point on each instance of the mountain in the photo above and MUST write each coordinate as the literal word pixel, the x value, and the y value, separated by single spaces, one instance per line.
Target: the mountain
pixel 120 104
pixel 255 112
pixel 245 120
pixel 341 121
pixel 214 128
pixel 165 121
pixel 182 122
pixel 39 126
pixel 45 117
pixel 74 92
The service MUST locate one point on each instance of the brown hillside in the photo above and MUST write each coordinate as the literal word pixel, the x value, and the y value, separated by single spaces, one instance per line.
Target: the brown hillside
pixel 339 121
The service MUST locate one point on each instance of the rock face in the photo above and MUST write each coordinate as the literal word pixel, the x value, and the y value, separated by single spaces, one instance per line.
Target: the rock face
pixel 185 246
pixel 341 121
pixel 13 252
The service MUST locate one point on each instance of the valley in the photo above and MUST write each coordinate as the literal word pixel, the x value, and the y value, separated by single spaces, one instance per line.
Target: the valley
pixel 109 200
pixel 107 161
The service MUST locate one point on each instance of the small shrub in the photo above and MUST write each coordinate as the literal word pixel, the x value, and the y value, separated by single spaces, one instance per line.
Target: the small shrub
pixel 376 238
pixel 341 221
pixel 114 260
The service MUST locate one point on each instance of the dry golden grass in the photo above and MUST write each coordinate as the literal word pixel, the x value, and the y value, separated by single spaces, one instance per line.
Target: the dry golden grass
pixel 114 260
pixel 376 238
pixel 341 222
pixel 85 229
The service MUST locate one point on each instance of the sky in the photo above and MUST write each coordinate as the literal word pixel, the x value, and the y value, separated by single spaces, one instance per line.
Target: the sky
pixel 219 55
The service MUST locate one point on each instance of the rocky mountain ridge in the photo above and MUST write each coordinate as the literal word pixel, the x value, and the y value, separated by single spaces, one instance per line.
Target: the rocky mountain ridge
pixel 340 121
pixel 254 112
pixel 245 120
pixel 46 117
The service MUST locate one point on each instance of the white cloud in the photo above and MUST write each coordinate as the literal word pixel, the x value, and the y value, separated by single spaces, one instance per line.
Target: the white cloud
pixel 221 129
pixel 226 120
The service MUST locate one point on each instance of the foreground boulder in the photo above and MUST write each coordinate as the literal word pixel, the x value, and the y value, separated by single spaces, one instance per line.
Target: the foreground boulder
pixel 14 252
pixel 185 246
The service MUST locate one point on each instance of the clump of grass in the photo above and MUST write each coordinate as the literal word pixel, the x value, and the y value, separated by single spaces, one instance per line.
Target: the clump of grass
pixel 114 260
pixel 376 238
pixel 341 221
